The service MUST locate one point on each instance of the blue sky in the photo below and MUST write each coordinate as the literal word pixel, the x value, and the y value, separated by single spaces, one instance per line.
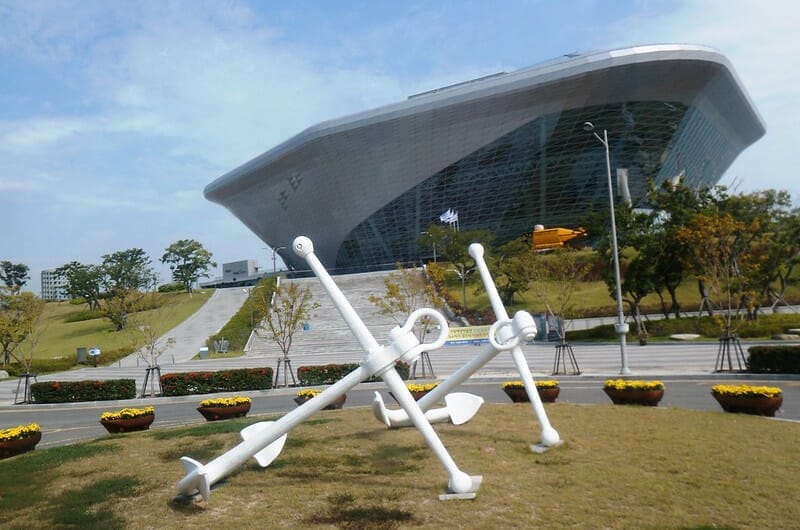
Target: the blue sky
pixel 115 115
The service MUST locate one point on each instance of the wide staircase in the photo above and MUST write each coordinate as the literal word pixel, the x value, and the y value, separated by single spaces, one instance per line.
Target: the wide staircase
pixel 327 332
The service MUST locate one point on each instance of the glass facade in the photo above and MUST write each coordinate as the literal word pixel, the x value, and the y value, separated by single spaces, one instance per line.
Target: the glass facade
pixel 550 171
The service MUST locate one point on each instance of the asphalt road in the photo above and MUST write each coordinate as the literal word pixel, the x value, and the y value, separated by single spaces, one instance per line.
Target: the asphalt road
pixel 69 423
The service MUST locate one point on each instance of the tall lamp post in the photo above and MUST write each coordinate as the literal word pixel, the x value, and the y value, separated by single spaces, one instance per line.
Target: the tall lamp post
pixel 620 327
pixel 433 242
pixel 274 252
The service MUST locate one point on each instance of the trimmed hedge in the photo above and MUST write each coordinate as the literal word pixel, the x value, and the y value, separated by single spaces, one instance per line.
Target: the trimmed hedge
pixel 327 374
pixel 237 329
pixel 210 382
pixel 783 359
pixel 70 391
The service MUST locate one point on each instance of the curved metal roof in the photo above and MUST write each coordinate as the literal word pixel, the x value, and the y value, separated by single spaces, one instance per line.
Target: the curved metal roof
pixel 329 178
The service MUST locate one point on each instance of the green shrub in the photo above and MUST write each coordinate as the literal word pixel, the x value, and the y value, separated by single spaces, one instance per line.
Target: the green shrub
pixel 86 314
pixel 209 382
pixel 327 374
pixel 71 391
pixel 66 362
pixel 175 287
pixel 783 359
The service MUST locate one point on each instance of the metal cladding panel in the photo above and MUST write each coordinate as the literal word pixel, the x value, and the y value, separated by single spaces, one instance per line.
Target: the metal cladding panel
pixel 327 180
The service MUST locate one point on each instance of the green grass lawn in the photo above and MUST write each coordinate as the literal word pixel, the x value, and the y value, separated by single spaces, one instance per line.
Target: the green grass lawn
pixel 620 467
pixel 61 338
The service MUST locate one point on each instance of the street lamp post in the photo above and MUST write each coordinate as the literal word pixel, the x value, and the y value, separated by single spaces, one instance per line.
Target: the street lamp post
pixel 621 327
pixel 433 243
pixel 274 252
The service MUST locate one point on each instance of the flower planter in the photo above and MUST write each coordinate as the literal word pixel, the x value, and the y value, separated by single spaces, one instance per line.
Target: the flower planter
pixel 416 394
pixel 519 395
pixel 648 398
pixel 337 403
pixel 11 448
pixel 548 395
pixel 758 405
pixel 224 413
pixel 139 423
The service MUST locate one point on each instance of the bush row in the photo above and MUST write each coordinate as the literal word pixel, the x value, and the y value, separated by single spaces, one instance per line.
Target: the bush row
pixel 327 374
pixel 46 365
pixel 210 382
pixel 70 391
pixel 782 359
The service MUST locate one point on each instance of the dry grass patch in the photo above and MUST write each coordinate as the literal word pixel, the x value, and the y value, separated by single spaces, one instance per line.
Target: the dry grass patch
pixel 621 467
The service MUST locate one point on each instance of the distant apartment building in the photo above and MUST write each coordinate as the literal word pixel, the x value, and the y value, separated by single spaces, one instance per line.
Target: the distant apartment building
pixel 53 286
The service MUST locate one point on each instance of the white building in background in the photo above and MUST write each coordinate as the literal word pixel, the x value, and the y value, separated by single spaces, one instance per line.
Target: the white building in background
pixel 236 273
pixel 53 286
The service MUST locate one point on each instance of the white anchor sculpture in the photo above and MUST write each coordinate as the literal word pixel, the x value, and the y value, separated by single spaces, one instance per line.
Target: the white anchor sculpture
pixel 504 334
pixel 264 441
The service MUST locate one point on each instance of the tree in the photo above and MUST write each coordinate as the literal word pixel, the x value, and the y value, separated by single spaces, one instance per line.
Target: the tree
pixel 775 228
pixel 512 268
pixel 19 317
pixel 408 290
pixel 554 278
pixel 723 252
pixel 83 281
pixel 146 336
pixel 13 275
pixel 781 253
pixel 453 247
pixel 127 272
pixel 188 260
pixel 673 207
pixel 285 311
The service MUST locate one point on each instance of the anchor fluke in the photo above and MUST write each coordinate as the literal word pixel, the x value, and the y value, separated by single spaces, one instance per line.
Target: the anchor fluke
pixel 462 406
pixel 270 452
pixel 196 479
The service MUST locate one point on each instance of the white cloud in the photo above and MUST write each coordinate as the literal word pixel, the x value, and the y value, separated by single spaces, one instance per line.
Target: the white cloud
pixel 760 39
pixel 38 134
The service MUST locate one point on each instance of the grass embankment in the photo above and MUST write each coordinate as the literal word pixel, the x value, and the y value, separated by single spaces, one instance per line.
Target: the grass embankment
pixel 60 337
pixel 620 467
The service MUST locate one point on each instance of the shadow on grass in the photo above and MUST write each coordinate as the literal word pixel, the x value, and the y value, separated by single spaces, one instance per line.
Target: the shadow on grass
pixel 334 465
pixel 27 472
pixel 85 507
pixel 200 450
pixel 343 512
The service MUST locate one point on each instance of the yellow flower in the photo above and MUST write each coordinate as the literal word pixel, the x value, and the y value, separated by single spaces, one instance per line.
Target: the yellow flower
pixel 19 432
pixel 622 384
pixel 225 402
pixel 547 383
pixel 308 393
pixel 746 390
pixel 127 413
pixel 413 387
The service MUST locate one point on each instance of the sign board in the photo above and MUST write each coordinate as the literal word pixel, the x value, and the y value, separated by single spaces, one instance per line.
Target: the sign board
pixel 468 335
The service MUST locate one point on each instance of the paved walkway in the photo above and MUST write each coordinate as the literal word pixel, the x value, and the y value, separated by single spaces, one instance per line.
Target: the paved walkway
pixel 191 334
pixel 594 359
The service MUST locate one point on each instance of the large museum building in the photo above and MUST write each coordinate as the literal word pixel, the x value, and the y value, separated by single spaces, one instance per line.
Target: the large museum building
pixel 506 152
